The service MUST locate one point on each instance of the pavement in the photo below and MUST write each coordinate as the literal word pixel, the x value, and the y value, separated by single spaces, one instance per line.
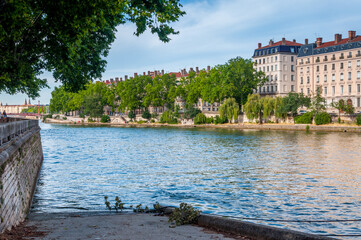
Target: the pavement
pixel 119 226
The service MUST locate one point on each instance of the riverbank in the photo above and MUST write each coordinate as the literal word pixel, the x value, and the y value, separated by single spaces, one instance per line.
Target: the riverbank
pixel 266 126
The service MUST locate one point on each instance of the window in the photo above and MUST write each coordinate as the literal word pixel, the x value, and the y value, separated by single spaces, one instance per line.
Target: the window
pixel 333 90
pixel 342 56
pixel 349 89
pixel 276 67
pixel 358 63
pixel 333 66
pixel 285 78
pixel 349 75
pixel 358 75
pixel 318 79
pixel 260 69
pixel 317 68
pixel 302 90
pixel 325 78
pixel 271 78
pixel 333 77
pixel 358 88
pixel 264 89
pixel 308 91
pixel 264 69
pixel 259 61
pixel 308 69
pixel 358 102
pixel 292 68
pixel 284 58
pixel 267 68
pixel 349 54
pixel 292 88
pixel 275 58
pixel 349 64
pixel 276 77
pixel 325 68
pixel 284 88
pixel 325 91
pixel 264 60
pixel 285 67
pixel 292 78
pixel 272 68
pixel 301 70
pixel 267 60
pixel 308 79
pixel 275 88
pixel 267 88
pixel 292 58
pixel 271 88
pixel 271 59
pixel 301 80
pixel 341 89
pixel 341 76
pixel 341 65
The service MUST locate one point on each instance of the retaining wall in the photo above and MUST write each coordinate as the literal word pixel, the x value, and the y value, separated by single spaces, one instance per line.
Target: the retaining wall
pixel 21 156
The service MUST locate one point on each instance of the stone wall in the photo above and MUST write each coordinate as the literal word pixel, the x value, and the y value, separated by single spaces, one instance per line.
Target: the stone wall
pixel 20 163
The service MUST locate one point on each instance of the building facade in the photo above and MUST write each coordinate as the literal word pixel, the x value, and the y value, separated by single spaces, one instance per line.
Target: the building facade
pixel 278 62
pixel 333 67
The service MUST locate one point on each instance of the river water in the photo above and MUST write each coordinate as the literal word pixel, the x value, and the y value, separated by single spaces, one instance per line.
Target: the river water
pixel 280 175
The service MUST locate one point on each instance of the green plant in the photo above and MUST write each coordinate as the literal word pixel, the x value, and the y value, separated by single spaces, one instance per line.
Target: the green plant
pixel 47 116
pixel 191 113
pixel 152 121
pixel 209 120
pixel 91 120
pixel 141 121
pixel 304 119
pixel 358 120
pixel 118 205
pixel 220 120
pixel 107 203
pixel 322 118
pixel 154 115
pixel 105 119
pixel 146 115
pixel 57 117
pixel 200 119
pixel 168 117
pixel 140 209
pixel 131 115
pixel 307 128
pixel 185 214
pixel 82 115
pixel 65 118
pixel 229 109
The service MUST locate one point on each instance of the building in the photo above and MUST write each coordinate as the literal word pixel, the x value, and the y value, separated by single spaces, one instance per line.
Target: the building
pixel 278 62
pixel 332 66
pixel 15 109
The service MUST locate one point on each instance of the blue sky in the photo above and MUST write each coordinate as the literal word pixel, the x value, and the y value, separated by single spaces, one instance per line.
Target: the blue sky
pixel 214 31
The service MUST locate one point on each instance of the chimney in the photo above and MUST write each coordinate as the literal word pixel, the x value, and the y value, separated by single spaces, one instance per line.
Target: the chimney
pixel 319 42
pixel 283 41
pixel 270 42
pixel 148 73
pixel 259 45
pixel 306 41
pixel 155 73
pixel 351 35
pixel 294 40
pixel 143 73
pixel 117 79
pixel 125 77
pixel 121 79
pixel 185 71
pixel 197 70
pixel 111 80
pixel 208 68
pixel 162 71
pixel 191 70
pixel 338 38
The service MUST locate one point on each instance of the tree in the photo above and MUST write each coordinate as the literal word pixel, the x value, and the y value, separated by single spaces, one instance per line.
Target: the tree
pixel 293 101
pixel 268 106
pixel 340 106
pixel 254 107
pixel 318 103
pixel 191 112
pixel 229 109
pixel 93 106
pixel 279 108
pixel 70 38
pixel 146 115
pixel 131 115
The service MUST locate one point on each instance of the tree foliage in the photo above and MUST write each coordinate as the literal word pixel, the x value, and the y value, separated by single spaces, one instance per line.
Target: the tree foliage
pixel 229 109
pixel 70 38
pixel 293 101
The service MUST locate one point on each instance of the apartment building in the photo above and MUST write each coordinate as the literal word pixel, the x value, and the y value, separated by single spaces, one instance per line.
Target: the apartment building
pixel 278 61
pixel 332 66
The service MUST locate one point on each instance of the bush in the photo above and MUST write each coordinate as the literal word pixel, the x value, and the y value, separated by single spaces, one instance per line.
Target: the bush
pixel 131 115
pixel 152 121
pixel 358 120
pixel 146 114
pixel 200 119
pixel 185 214
pixel 322 118
pixel 220 120
pixel 82 115
pixel 65 118
pixel 47 116
pixel 105 119
pixel 154 115
pixel 141 121
pixel 191 113
pixel 209 120
pixel 91 120
pixel 304 119
pixel 168 117
pixel 57 117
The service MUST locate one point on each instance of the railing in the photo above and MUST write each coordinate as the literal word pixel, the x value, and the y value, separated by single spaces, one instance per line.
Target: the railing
pixel 13 127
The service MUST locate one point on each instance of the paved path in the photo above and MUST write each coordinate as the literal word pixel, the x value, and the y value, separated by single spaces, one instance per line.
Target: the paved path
pixel 114 226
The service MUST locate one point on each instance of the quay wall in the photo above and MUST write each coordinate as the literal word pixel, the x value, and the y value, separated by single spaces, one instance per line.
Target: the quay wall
pixel 21 157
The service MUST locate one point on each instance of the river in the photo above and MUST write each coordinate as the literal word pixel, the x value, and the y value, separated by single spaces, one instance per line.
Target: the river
pixel 280 175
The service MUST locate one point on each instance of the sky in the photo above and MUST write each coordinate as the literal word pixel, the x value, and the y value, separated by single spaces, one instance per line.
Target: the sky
pixel 214 31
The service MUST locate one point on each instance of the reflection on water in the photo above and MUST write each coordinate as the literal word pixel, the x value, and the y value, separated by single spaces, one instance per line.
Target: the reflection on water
pixel 257 174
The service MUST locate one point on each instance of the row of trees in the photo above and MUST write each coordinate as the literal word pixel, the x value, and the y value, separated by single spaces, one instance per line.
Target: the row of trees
pixel 262 108
pixel 234 80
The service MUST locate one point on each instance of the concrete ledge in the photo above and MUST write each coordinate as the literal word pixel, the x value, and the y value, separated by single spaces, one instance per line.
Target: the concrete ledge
pixel 253 230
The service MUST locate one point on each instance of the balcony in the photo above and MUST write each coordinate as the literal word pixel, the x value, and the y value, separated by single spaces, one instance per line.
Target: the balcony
pixel 358 55
pixel 317 60
pixel 333 58
pixel 342 57
pixel 349 56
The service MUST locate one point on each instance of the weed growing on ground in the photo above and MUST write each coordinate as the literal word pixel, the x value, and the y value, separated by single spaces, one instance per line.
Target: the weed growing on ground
pixel 185 214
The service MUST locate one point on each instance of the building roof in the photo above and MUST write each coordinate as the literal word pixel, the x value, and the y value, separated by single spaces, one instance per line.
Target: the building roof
pixel 287 43
pixel 343 41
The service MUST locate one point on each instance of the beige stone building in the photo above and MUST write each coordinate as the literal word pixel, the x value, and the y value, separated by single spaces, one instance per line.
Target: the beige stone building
pixel 278 61
pixel 15 109
pixel 332 66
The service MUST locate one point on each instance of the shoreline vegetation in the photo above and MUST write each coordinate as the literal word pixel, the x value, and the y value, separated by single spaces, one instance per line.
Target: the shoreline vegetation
pixel 238 126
